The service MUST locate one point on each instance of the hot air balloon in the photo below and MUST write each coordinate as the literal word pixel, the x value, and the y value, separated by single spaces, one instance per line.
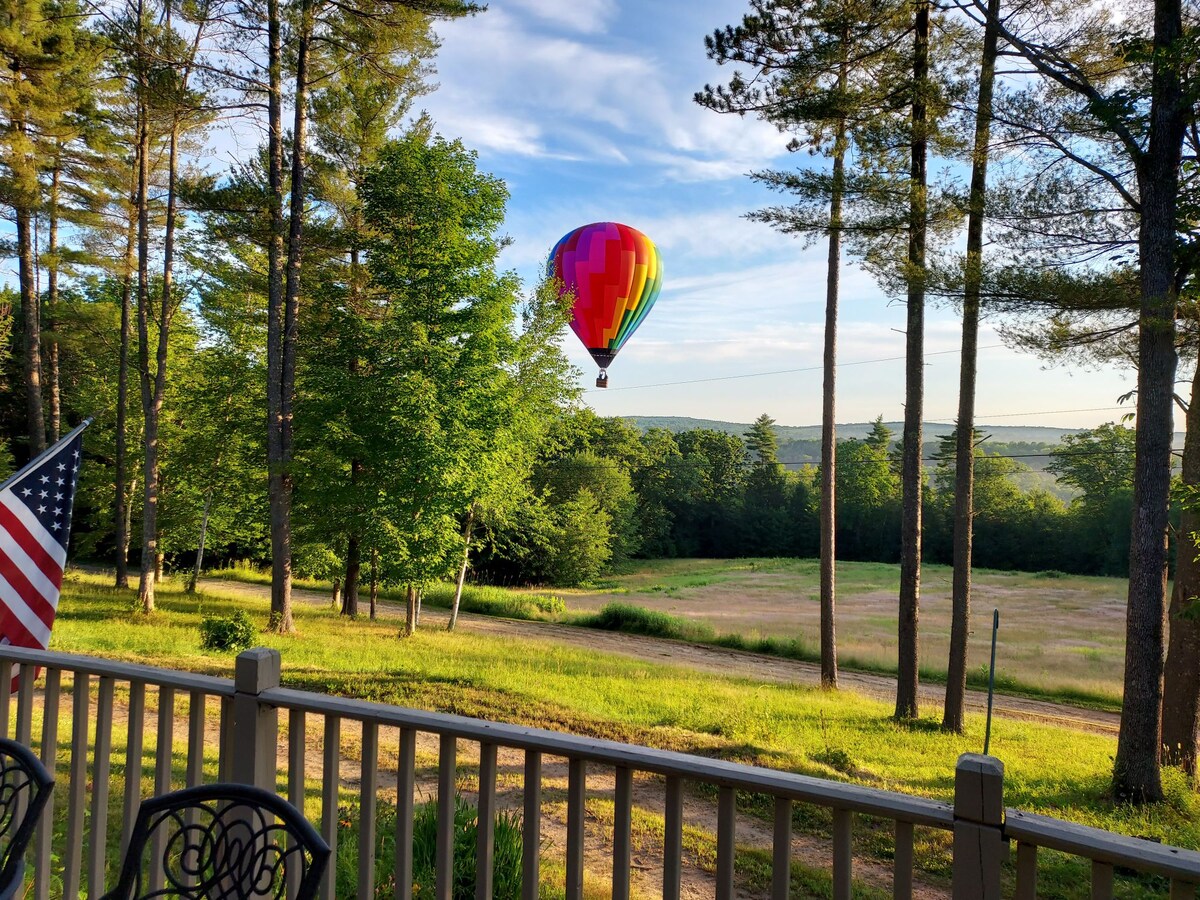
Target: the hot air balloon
pixel 615 274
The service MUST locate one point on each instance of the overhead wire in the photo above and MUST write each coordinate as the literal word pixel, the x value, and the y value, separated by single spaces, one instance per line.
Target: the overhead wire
pixel 860 362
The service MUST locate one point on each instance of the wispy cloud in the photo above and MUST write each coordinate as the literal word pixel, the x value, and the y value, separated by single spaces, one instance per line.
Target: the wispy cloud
pixel 585 16
pixel 586 95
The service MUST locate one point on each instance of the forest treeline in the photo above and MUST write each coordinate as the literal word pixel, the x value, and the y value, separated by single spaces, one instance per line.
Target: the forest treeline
pixel 707 493
pixel 311 356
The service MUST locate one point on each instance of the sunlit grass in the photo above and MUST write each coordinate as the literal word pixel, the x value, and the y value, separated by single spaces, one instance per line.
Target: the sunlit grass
pixel 550 685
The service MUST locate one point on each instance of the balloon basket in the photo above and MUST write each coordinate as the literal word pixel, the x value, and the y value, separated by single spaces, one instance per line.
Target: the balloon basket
pixel 602 379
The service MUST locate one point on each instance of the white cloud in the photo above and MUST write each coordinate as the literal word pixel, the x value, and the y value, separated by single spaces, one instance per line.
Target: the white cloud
pixel 585 16
pixel 588 96
pixel 493 131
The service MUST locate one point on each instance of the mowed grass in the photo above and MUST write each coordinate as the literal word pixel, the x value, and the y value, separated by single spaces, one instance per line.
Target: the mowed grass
pixel 1060 635
pixel 791 727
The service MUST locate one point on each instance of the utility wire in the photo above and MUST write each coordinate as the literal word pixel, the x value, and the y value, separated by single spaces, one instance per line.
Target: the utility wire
pixel 861 362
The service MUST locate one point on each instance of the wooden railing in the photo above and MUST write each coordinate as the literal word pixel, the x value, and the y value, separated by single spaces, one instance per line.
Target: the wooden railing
pixel 245 745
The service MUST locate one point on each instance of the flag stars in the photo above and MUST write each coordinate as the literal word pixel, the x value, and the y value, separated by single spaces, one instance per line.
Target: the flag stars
pixel 45 479
pixel 27 493
pixel 58 511
pixel 58 496
pixel 43 494
pixel 62 467
pixel 60 482
pixel 41 509
pixel 56 526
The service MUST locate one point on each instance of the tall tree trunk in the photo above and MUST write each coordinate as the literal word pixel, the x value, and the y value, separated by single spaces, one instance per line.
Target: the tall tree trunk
pixel 353 566
pixel 468 528
pixel 410 610
pixel 281 593
pixel 52 301
pixel 133 487
pixel 829 672
pixel 964 472
pixel 191 585
pixel 1181 675
pixel 908 662
pixel 154 390
pixel 374 581
pixel 150 421
pixel 121 506
pixel 278 481
pixel 32 314
pixel 1136 775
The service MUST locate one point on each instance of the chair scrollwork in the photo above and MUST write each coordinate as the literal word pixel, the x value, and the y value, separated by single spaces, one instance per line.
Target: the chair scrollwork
pixel 227 841
pixel 24 789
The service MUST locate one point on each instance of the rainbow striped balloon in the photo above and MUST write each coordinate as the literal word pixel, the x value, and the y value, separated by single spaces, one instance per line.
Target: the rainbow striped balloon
pixel 615 273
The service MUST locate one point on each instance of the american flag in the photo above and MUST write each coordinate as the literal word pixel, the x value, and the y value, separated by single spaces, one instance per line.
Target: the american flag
pixel 35 524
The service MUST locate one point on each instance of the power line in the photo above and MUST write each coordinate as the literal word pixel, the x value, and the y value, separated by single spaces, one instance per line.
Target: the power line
pixel 946 420
pixel 861 362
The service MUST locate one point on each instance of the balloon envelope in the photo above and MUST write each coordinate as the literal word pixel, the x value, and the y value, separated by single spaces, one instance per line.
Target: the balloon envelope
pixel 615 274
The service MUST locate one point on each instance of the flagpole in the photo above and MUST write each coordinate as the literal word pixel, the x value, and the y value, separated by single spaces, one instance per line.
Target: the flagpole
pixel 50 451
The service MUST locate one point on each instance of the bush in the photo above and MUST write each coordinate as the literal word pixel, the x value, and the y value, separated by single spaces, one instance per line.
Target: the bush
pixel 234 632
pixel 506 859
pixel 639 620
pixel 495 601
pixel 550 603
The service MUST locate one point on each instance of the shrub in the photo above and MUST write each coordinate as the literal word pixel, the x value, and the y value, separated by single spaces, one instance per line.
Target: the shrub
pixel 234 632
pixel 506 859
pixel 639 620
pixel 551 603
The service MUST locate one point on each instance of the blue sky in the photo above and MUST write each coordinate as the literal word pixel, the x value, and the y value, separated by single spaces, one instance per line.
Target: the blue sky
pixel 584 107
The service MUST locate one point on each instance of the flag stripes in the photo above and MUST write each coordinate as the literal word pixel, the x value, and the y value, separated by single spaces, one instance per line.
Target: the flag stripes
pixel 35 525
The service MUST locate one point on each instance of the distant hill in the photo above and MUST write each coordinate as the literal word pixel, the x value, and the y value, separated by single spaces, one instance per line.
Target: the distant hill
pixel 1006 434
pixel 800 445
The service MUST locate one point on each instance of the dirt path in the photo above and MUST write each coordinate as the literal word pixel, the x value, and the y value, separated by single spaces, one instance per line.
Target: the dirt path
pixel 722 661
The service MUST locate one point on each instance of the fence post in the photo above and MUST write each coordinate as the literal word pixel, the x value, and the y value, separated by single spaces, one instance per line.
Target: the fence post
pixel 979 845
pixel 255 725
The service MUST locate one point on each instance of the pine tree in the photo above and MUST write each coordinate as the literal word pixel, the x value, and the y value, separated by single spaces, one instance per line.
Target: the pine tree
pixel 43 47
pixel 1137 112
pixel 964 491
pixel 815 68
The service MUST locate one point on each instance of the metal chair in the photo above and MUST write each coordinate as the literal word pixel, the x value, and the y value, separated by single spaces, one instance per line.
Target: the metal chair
pixel 229 841
pixel 24 789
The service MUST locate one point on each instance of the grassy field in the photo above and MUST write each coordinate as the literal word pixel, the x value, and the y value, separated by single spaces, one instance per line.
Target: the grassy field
pixel 840 736
pixel 1059 634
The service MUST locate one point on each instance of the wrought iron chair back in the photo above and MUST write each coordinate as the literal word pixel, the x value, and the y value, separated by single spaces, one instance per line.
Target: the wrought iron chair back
pixel 24 789
pixel 228 841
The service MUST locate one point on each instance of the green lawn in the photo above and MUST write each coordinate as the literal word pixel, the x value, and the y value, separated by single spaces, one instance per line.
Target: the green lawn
pixel 796 728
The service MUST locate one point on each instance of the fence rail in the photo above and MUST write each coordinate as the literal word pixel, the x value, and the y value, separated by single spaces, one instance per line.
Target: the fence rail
pixel 252 730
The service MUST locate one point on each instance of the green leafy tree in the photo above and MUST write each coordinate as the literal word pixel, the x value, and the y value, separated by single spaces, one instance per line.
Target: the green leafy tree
pixel 583 544
pixel 441 356
pixel 1099 462
pixel 869 489
pixel 607 484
